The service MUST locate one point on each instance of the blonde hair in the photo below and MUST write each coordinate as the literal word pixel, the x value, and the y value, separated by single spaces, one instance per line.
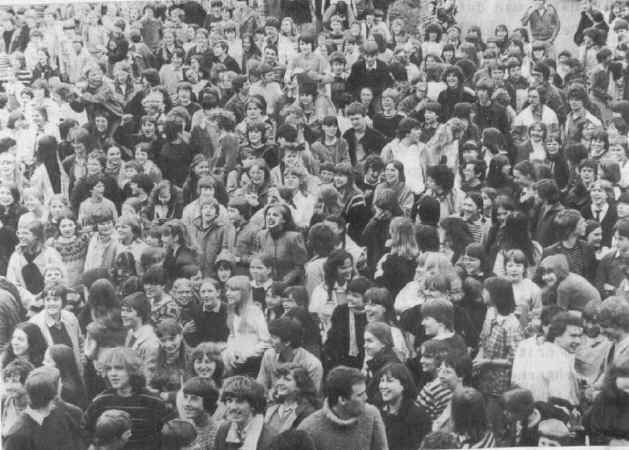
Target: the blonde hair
pixel 403 242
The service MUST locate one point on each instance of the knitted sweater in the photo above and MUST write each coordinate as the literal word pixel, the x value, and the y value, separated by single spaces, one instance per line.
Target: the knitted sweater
pixel 329 432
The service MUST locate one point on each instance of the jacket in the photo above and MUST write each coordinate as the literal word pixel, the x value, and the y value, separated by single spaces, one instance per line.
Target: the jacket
pixel 71 324
pixel 336 347
pixel 378 79
pixel 374 367
pixel 288 252
pixel 303 410
pixel 210 241
pixel 407 428
pixel 573 291
pixel 373 142
pixel 146 344
pixel 545 232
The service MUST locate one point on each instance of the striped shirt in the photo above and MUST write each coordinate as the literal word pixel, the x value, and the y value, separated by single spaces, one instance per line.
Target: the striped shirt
pixel 434 397
pixel 148 414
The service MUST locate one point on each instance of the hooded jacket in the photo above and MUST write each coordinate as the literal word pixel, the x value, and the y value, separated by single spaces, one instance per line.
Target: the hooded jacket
pixel 573 291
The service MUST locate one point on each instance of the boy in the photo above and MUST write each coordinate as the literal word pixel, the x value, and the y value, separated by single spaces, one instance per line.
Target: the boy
pixel 113 430
pixel 260 268
pixel 104 245
pixel 162 304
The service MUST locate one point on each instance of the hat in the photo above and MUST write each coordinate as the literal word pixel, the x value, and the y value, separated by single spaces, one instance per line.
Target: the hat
pixel 554 429
pixel 382 332
pixel 519 402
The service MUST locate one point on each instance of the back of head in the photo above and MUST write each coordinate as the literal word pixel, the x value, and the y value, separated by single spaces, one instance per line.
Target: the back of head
pixel 42 386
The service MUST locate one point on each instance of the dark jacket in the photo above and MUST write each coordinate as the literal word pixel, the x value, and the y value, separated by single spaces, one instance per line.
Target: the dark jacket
pixel 210 326
pixel 407 428
pixel 608 417
pixel 545 231
pixel 378 79
pixel 397 271
pixel 607 224
pixel 582 263
pixel 336 347
pixel 175 261
pixel 450 97
pixel 373 141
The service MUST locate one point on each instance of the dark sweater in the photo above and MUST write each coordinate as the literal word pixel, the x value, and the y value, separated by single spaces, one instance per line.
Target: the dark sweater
pixel 336 347
pixel 60 430
pixel 211 326
pixel 407 428
pixel 148 413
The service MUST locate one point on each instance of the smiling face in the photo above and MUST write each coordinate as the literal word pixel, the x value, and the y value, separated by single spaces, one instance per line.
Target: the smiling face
pixel 171 343
pixel 274 218
pixel 204 367
pixel 118 376
pixel 373 346
pixel 53 304
pixel 391 174
pixel 192 406
pixel 391 388
pixel 238 411
pixel 19 342
pixel 67 228
pixel 130 317
pixel 286 387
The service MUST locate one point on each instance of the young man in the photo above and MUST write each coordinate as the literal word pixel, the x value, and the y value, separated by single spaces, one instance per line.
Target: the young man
pixel 286 341
pixel 104 244
pixel 221 55
pixel 141 338
pixel 613 267
pixel 346 420
pixel 544 22
pixel 362 139
pixel 369 72
pixel 523 418
pixel 199 403
pixel 46 423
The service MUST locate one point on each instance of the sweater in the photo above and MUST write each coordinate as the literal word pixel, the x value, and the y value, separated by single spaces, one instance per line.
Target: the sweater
pixel 329 432
pixel 407 428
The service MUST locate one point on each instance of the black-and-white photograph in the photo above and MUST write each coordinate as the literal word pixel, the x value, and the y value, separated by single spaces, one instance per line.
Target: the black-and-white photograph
pixel 314 224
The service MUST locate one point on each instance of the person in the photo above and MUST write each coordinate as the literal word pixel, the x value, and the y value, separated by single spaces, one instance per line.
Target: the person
pixel 113 430
pixel 295 398
pixel 248 331
pixel 46 423
pixel 73 390
pixel 469 419
pixel 379 353
pixel 570 290
pixel 522 417
pixel 11 310
pixel 544 22
pixel 244 421
pixel 141 337
pixel 27 343
pixel 148 413
pixel 57 325
pixel 209 316
pixel 346 420
pixel 406 423
pixel 613 320
pixel 553 433
pixel 286 347
pixel 199 403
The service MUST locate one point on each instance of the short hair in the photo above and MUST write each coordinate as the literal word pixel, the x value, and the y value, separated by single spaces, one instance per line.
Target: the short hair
pixel 321 239
pixel 110 426
pixel 355 108
pixel 440 310
pixel 42 385
pixel 560 323
pixel 154 275
pixel 204 389
pixel 140 303
pixel 340 382
pixel 566 222
pixel 19 367
pixel 247 389
pixel 288 330
pixel 614 313
pixel 547 190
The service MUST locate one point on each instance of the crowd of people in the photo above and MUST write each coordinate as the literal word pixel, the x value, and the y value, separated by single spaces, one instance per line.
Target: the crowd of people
pixel 287 225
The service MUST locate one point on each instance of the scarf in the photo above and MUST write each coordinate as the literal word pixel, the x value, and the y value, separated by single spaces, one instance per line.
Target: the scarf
pixel 249 436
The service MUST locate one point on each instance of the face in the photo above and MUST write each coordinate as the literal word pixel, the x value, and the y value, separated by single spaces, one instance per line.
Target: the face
pixel 192 406
pixel 238 411
pixel 617 153
pixel 570 339
pixel 26 237
pixel 375 312
pixel 171 344
pixel 391 174
pixel 549 277
pixel 355 301
pixel 431 326
pixel 53 304
pixel 130 317
pixel 204 367
pixel 595 238
pixel 345 271
pixel 19 343
pixel 391 388
pixel 259 272
pixel 452 80
pixel 357 121
pixel 117 376
pixel 597 194
pixel 53 275
pixel 469 209
pixel 274 218
pixel 256 175
pixel 428 362
pixel 93 167
pixel 105 228
pixel 355 404
pixel 587 174
pixel 448 377
pixel 501 214
pixel 514 270
pixel 253 111
pixel 286 386
pixel 67 228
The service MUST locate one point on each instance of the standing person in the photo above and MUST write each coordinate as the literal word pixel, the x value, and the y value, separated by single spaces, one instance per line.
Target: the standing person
pixel 62 358
pixel 405 421
pixel 378 342
pixel 141 338
pixel 46 423
pixel 244 425
pixel 128 393
pixel 606 422
pixel 346 421
pixel 544 23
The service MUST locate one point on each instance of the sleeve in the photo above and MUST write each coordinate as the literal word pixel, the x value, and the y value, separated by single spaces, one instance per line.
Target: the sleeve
pixel 264 377
pixel 14 271
pixel 514 337
pixel 379 438
pixel 262 330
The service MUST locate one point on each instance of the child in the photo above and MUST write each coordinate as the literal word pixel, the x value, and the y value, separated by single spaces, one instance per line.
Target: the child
pixel 162 304
pixel 112 431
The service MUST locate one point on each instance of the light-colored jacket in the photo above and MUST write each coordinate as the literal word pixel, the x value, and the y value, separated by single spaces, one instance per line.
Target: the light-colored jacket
pixel 71 324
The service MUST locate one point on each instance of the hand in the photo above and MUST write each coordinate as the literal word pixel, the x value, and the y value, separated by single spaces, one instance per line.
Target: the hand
pixel 480 362
pixel 189 327
pixel 608 287
pixel 127 118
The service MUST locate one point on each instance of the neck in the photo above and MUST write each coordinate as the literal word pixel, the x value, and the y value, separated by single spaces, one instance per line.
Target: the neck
pixel 55 317
pixel 287 354
pixel 570 242
pixel 395 404
pixel 340 412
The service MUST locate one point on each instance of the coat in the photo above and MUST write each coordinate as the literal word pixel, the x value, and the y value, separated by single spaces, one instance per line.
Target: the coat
pixel 303 410
pixel 407 428
pixel 545 231
pixel 209 242
pixel 373 142
pixel 288 252
pixel 71 324
pixel 336 347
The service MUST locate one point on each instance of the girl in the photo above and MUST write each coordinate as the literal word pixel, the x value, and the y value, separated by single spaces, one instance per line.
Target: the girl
pixel 379 308
pixel 72 389
pixel 27 343
pixel 72 245
pixel 49 176
pixel 516 235
pixel 527 294
pixel 469 419
pixel 296 183
pixel 167 375
pixel 205 361
pixel 378 343
pixel 396 268
pixel 395 179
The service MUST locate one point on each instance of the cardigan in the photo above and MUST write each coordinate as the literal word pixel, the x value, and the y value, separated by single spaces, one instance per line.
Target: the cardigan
pixel 71 324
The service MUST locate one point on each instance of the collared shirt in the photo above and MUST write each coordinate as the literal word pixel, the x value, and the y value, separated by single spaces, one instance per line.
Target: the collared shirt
pixel 599 213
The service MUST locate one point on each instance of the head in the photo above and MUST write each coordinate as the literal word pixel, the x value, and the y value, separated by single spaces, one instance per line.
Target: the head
pixel 345 390
pixel 123 368
pixel 244 398
pixel 566 330
pixel 206 362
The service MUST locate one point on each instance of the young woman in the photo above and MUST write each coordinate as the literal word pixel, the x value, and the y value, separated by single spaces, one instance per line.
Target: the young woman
pixel 515 234
pixel 72 388
pixel 31 257
pixel 248 333
pixel 527 294
pixel 72 245
pixel 396 268
pixel 405 421
pixel 499 338
pixel 175 155
pixel 49 176
pixel 301 201
pixel 295 398
pixel 379 308
pixel 281 239
pixel 206 362
pixel 378 344
pixel 27 343
pixel 338 271
pixel 127 392
pixel 257 190
pixel 167 376
pixel 395 179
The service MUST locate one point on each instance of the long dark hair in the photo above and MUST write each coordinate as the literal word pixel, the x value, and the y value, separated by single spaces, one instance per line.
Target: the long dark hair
pixel 517 235
pixel 64 359
pixel 36 345
pixel 47 155
pixel 335 260
pixel 469 414
pixel 501 295
pixel 305 385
